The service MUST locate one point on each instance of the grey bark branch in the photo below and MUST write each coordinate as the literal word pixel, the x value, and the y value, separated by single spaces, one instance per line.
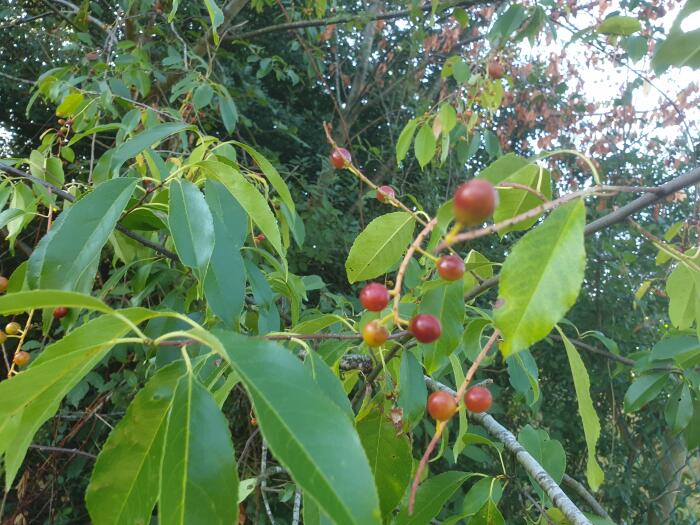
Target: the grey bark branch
pixel 530 464
pixel 341 19
pixel 586 496
pixel 688 179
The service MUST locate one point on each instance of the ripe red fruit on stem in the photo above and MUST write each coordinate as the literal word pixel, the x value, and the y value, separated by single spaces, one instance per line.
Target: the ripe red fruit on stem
pixel 374 297
pixel 474 202
pixel 12 328
pixel 60 312
pixel 450 267
pixel 478 399
pixel 21 358
pixel 3 284
pixel 384 193
pixel 441 405
pixel 340 157
pixel 375 334
pixel 425 327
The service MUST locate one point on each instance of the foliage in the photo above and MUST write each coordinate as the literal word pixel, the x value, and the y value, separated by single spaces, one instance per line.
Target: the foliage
pixel 165 178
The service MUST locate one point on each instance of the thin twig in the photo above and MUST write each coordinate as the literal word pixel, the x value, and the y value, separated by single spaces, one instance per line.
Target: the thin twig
pixel 341 19
pixel 442 424
pixel 74 451
pixel 263 481
pixel 404 266
pixel 586 496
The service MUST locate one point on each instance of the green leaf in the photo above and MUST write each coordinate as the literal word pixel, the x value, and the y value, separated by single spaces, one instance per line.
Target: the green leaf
pixel 446 302
pixel 683 289
pixel 123 488
pixel 413 393
pixel 305 430
pixel 379 246
pixel 249 198
pixel 589 417
pixel 69 105
pixel 34 395
pixel 198 479
pixel 272 175
pixel 679 410
pixel 405 138
pixel 14 303
pixel 681 48
pixel 644 390
pixel 216 16
pixel 313 515
pixel 458 374
pixel 691 435
pixel 202 96
pixel 316 324
pixel 541 278
pixel 488 515
pixel 503 167
pixel 390 458
pixel 507 23
pixel 191 225
pixel 524 375
pixel 327 381
pixel 514 201
pixel 66 254
pixel 448 118
pixel 224 284
pixel 620 25
pixel 431 496
pixel 425 145
pixel 683 349
pixel 145 139
pixel 548 452
pixel 229 112
pixel 460 71
pixel 485 489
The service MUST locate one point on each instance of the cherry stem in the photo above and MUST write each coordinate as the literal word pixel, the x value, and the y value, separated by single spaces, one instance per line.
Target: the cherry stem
pixel 601 191
pixel 404 266
pixel 441 425
pixel 356 171
pixel 423 462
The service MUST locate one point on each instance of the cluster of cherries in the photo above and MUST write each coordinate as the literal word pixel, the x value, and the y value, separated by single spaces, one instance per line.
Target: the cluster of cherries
pixel 13 328
pixel 473 202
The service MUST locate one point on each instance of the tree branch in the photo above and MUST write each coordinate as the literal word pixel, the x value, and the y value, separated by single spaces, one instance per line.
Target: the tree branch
pixel 652 197
pixel 586 496
pixel 341 19
pixel 70 198
pixel 530 464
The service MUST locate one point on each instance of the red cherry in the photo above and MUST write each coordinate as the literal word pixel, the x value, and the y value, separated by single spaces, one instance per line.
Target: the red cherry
pixel 441 405
pixel 260 238
pixel 375 334
pixel 21 358
pixel 474 202
pixel 3 284
pixel 425 327
pixel 374 297
pixel 495 69
pixel 340 157
pixel 384 193
pixel 60 312
pixel 450 267
pixel 478 399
